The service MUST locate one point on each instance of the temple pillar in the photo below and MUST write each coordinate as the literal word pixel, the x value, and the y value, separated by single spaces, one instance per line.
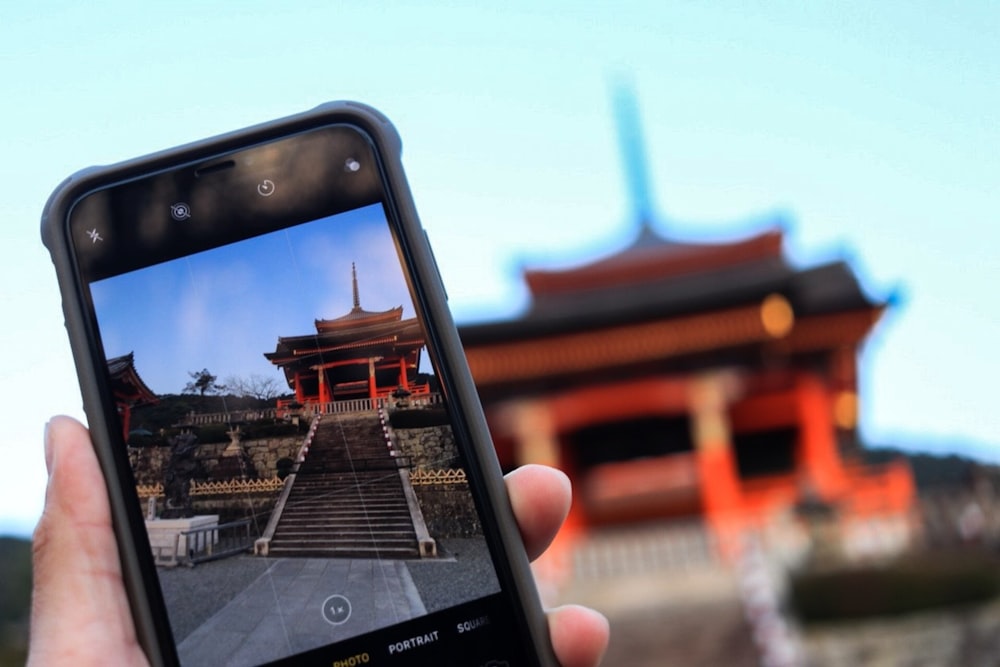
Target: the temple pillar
pixel 536 440
pixel 126 415
pixel 372 387
pixel 716 461
pixel 324 391
pixel 300 396
pixel 402 373
pixel 534 434
pixel 819 457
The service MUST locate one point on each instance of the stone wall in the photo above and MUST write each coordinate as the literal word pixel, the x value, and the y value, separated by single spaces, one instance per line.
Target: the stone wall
pixel 429 448
pixel 448 510
pixel 149 463
pixel 257 506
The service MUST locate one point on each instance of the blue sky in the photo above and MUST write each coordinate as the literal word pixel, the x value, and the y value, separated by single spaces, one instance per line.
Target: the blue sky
pixel 222 309
pixel 868 129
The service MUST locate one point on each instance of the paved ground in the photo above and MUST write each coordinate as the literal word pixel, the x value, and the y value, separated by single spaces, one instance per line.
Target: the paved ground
pixel 224 611
pixel 956 636
pixel 282 612
pixel 465 568
pixel 662 619
pixel 195 594
pixel 704 635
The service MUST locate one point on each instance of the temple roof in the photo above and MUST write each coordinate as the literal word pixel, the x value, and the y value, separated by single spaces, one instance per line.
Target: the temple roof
pixel 358 334
pixel 651 257
pixel 357 314
pixel 656 277
pixel 366 339
pixel 364 335
pixel 126 383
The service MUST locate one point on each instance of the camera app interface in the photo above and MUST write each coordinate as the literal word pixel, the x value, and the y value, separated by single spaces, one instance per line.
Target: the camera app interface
pixel 291 449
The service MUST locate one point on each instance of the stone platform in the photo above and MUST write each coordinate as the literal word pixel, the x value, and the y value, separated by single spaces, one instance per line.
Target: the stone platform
pixel 168 542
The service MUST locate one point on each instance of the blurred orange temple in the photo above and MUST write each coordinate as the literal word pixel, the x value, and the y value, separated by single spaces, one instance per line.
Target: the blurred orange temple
pixel 678 380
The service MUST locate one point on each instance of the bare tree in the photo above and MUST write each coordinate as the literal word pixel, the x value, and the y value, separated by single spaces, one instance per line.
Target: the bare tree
pixel 254 386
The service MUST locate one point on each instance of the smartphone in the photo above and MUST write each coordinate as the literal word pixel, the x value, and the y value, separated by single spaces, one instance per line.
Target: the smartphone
pixel 298 465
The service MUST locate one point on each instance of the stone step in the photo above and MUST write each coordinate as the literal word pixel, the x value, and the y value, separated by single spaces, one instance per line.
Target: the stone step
pixel 339 529
pixel 319 485
pixel 381 487
pixel 341 496
pixel 350 475
pixel 391 523
pixel 301 485
pixel 347 499
pixel 366 522
pixel 334 500
pixel 351 491
pixel 313 509
pixel 353 515
pixel 387 467
pixel 311 505
pixel 329 493
pixel 306 542
pixel 393 526
pixel 341 504
pixel 349 536
pixel 360 476
pixel 397 514
pixel 343 552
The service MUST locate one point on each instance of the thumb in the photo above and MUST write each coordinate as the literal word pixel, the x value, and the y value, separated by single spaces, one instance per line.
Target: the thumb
pixel 80 613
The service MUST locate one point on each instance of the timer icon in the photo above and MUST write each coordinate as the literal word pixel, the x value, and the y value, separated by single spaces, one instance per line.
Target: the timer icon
pixel 265 188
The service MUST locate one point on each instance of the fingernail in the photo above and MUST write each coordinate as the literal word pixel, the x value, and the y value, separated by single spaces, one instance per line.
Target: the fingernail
pixel 48 448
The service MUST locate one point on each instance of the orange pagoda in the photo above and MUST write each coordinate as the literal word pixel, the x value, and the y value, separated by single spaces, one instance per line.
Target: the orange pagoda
pixel 362 354
pixel 682 380
pixel 675 379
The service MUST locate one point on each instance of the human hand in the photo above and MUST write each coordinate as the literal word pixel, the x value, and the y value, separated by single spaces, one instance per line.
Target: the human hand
pixel 79 610
pixel 80 614
pixel 540 497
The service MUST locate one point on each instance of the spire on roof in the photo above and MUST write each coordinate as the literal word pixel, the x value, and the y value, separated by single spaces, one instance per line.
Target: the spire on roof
pixel 634 157
pixel 354 283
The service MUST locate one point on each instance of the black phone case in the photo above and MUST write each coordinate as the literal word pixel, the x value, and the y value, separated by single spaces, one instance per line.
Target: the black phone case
pixel 136 558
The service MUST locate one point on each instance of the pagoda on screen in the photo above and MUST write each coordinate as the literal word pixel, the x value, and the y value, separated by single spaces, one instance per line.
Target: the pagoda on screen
pixel 360 355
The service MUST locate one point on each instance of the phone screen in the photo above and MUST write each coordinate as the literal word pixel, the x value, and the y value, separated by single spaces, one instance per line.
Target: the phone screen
pixel 304 489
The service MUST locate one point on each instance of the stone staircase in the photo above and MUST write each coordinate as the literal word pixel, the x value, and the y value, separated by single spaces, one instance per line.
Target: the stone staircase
pixel 347 499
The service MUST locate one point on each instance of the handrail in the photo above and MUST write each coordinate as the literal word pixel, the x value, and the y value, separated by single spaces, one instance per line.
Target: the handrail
pixel 262 544
pixel 203 544
pixel 308 409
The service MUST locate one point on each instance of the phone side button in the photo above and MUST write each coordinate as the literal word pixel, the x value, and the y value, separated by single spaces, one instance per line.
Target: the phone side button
pixel 437 269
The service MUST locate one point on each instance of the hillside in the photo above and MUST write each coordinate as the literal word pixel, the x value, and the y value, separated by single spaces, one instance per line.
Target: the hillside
pixel 935 471
pixel 15 599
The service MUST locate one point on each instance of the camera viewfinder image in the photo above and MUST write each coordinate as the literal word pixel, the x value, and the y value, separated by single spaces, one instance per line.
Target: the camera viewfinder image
pixel 291 448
